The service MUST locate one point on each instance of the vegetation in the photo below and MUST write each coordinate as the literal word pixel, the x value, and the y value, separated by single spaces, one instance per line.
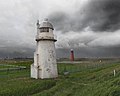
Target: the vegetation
pixel 91 78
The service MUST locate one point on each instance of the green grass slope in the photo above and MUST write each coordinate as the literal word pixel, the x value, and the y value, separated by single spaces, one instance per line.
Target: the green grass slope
pixel 85 79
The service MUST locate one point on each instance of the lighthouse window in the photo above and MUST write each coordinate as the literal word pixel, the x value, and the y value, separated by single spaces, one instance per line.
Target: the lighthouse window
pixel 44 30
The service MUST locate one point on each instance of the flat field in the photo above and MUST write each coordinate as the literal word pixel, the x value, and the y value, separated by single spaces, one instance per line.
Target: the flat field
pixel 87 78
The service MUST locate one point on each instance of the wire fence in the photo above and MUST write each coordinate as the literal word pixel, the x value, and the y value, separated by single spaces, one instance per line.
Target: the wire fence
pixel 7 67
pixel 66 68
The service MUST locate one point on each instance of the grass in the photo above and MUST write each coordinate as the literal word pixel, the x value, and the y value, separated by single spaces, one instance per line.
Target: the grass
pixel 84 79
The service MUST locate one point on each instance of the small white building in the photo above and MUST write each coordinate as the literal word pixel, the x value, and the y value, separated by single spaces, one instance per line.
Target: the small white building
pixel 45 65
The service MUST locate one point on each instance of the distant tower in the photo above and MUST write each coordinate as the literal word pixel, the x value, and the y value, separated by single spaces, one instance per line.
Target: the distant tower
pixel 72 55
pixel 45 56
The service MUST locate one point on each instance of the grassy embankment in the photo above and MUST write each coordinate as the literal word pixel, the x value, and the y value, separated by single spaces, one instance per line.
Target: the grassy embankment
pixel 85 79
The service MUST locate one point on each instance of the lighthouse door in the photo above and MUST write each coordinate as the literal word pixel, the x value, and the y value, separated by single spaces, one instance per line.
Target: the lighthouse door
pixel 37 65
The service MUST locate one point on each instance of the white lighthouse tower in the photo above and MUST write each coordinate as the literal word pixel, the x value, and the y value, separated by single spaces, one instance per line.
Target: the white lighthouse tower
pixel 45 56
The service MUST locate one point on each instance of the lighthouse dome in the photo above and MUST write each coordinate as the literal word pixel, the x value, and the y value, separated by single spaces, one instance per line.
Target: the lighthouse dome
pixel 46 24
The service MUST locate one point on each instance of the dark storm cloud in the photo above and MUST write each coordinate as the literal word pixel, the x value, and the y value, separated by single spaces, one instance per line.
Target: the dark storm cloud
pixel 61 21
pixel 90 52
pixel 10 52
pixel 105 15
pixel 99 15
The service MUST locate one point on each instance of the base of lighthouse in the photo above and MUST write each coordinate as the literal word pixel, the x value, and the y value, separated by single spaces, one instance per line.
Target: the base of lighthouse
pixel 45 65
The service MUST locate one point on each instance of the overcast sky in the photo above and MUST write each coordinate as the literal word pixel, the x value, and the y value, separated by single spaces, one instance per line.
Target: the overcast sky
pixel 90 27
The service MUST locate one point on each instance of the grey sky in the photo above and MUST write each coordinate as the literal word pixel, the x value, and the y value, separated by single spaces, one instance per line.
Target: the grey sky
pixel 91 27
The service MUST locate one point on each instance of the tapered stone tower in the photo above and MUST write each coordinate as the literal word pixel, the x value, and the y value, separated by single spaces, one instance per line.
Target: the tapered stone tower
pixel 44 65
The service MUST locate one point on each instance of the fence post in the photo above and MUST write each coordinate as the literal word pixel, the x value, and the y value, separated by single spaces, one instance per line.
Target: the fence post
pixel 114 72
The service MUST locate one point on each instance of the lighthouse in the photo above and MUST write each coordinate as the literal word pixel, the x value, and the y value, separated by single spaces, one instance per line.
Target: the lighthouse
pixel 44 65
pixel 72 55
